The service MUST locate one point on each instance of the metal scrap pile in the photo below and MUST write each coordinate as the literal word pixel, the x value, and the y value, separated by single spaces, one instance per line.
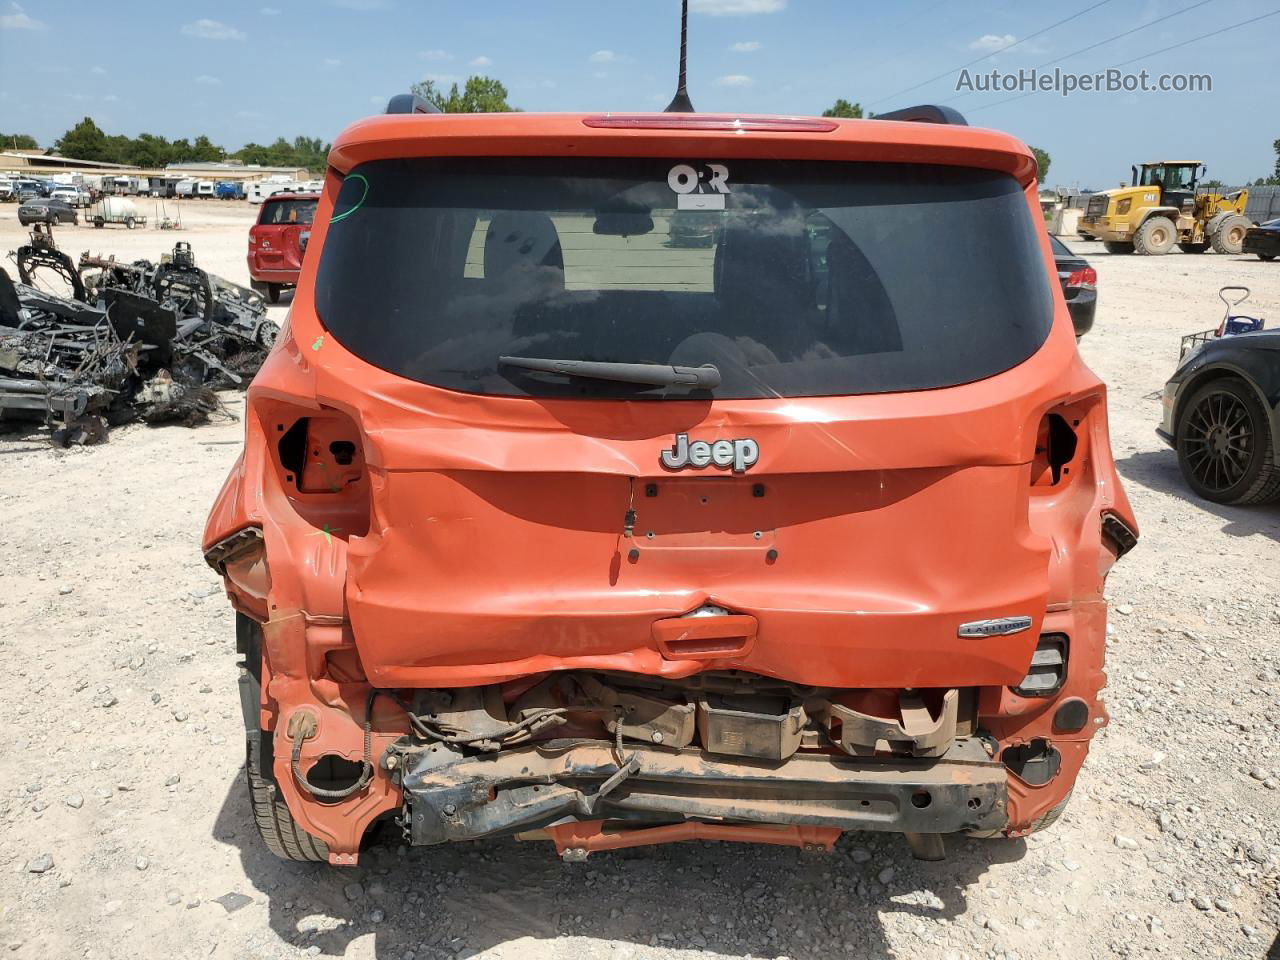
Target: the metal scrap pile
pixel 122 341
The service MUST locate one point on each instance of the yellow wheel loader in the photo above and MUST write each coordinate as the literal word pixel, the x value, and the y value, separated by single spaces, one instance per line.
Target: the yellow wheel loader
pixel 1161 207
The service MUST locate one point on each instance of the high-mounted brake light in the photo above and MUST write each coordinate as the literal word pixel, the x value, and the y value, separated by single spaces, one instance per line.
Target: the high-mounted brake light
pixel 1084 277
pixel 707 121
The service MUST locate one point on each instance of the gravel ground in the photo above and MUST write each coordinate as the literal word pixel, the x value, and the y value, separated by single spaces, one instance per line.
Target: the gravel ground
pixel 125 829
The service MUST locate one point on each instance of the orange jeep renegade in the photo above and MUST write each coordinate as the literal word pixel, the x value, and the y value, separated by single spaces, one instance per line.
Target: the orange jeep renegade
pixel 621 479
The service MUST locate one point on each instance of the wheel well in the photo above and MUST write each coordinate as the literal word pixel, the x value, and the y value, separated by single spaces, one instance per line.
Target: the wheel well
pixel 1169 213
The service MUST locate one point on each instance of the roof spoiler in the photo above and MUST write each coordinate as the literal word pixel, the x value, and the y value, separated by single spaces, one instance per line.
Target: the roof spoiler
pixel 412 103
pixel 926 113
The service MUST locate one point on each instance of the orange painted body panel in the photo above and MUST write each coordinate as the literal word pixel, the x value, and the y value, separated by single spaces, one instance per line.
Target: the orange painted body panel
pixel 483 539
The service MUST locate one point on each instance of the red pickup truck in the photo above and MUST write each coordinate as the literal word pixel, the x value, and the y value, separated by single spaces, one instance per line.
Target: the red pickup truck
pixel 278 240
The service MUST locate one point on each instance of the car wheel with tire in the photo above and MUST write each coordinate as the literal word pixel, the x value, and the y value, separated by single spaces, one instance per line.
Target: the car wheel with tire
pixel 1224 443
pixel 1229 236
pixel 1118 246
pixel 1155 237
pixel 280 832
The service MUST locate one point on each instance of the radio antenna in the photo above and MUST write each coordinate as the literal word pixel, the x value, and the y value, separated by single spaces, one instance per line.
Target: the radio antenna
pixel 681 103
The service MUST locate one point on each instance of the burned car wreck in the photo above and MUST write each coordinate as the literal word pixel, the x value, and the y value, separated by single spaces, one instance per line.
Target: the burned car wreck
pixel 88 346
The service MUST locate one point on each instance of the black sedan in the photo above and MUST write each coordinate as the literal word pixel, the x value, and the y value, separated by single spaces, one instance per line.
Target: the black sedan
pixel 1263 240
pixel 1222 416
pixel 1079 285
pixel 46 211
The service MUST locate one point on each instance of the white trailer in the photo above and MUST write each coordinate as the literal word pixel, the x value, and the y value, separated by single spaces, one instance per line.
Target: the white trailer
pixel 259 190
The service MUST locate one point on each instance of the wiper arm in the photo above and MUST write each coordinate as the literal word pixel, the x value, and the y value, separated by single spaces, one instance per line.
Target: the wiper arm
pixel 706 376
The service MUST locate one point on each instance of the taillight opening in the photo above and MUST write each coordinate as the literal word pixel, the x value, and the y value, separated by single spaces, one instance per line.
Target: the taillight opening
pixel 1056 445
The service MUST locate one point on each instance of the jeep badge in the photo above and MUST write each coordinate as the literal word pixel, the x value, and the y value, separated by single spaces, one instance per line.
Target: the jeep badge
pixel 738 454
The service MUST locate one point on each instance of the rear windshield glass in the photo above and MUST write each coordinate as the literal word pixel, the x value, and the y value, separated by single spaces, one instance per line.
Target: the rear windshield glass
pixel 793 278
pixel 287 211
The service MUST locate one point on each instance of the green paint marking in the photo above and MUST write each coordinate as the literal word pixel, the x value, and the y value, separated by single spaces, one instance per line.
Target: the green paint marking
pixel 319 342
pixel 359 203
pixel 327 533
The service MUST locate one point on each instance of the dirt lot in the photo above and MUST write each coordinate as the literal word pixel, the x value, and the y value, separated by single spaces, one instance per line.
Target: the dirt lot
pixel 123 750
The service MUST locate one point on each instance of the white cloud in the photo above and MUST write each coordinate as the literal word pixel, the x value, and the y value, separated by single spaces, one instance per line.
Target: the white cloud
pixel 603 56
pixel 482 61
pixel 736 8
pixel 17 19
pixel 99 71
pixel 734 80
pixel 270 11
pixel 248 115
pixel 746 46
pixel 378 101
pixel 548 84
pixel 212 30
pixel 111 98
pixel 436 55
pixel 600 75
pixel 208 80
pixel 332 62
pixel 991 42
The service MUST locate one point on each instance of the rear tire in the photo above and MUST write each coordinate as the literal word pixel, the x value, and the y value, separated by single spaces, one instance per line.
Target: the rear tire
pixel 279 831
pixel 1118 246
pixel 1229 237
pixel 1041 823
pixel 273 292
pixel 1155 237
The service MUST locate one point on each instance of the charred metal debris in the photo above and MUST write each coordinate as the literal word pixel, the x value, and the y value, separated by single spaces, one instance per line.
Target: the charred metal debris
pixel 101 343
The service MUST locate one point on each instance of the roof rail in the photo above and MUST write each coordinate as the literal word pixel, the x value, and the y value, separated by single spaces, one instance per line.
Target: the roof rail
pixel 410 103
pixel 925 113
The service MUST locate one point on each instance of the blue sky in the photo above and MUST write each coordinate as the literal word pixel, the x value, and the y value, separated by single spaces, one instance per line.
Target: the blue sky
pixel 251 71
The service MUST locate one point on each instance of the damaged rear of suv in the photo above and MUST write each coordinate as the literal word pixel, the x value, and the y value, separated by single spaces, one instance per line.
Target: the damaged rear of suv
pixel 551 525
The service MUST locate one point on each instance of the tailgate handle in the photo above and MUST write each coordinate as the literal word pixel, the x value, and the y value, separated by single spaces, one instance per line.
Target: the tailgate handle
pixel 705 638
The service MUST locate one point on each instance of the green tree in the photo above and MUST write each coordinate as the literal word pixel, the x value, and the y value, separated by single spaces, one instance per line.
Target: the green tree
pixel 480 95
pixel 85 141
pixel 18 141
pixel 148 150
pixel 1042 163
pixel 843 108
pixel 205 151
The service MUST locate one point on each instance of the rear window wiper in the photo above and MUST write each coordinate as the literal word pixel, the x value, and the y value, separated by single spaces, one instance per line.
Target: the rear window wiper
pixel 705 377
